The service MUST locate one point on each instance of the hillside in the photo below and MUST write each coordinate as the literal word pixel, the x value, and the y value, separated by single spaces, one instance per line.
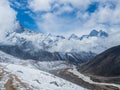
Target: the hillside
pixel 16 77
pixel 104 64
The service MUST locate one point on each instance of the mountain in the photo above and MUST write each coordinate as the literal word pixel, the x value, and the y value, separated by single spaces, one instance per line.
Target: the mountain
pixel 99 73
pixel 102 34
pixel 56 43
pixel 21 70
pixel 40 65
pixel 62 37
pixel 106 64
pixel 26 44
pixel 73 37
pixel 16 77
pixel 24 52
pixel 95 33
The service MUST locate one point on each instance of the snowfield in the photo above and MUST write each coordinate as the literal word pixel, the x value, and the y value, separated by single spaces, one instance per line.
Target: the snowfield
pixel 25 78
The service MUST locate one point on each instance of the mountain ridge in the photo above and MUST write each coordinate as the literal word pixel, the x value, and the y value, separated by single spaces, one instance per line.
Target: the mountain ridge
pixel 57 43
pixel 105 64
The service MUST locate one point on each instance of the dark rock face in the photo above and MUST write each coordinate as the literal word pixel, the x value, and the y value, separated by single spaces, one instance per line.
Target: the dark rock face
pixel 104 64
pixel 24 52
pixel 73 57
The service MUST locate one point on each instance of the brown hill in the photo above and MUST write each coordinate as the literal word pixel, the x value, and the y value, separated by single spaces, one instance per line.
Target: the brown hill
pixel 105 64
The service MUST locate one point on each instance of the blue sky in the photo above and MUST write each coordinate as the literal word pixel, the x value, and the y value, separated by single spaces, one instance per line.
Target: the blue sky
pixel 23 14
pixel 67 16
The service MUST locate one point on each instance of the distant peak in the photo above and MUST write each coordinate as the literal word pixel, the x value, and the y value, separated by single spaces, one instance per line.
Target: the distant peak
pixel 103 34
pixel 93 33
pixel 58 36
pixel 73 36
pixel 99 33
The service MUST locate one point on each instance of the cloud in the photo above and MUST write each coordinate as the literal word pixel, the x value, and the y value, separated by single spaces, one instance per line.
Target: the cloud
pixel 62 9
pixel 103 15
pixel 46 5
pixel 76 16
pixel 40 5
pixel 80 4
pixel 7 19
pixel 106 17
pixel 58 25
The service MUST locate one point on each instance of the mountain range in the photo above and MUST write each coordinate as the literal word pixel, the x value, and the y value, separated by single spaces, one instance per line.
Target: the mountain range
pixel 74 58
pixel 27 44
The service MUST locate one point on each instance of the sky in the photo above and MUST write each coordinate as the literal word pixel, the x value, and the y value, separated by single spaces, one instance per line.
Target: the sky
pixel 61 16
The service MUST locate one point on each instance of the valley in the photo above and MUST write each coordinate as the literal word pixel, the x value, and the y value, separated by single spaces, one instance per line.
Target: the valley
pixel 71 65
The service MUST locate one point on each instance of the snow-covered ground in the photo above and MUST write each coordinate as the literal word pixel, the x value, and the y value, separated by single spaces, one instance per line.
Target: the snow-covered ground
pixel 42 65
pixel 87 79
pixel 25 78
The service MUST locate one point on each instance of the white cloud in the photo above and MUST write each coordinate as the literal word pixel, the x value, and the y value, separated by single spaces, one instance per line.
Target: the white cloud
pixel 40 5
pixel 50 23
pixel 7 18
pixel 81 4
pixel 45 5
pixel 65 8
pixel 106 17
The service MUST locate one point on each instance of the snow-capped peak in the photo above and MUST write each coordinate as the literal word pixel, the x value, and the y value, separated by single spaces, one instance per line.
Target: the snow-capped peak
pixel 33 41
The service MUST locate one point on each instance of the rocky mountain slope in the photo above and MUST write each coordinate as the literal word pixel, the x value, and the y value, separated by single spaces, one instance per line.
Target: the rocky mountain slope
pixel 104 64
pixel 43 55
